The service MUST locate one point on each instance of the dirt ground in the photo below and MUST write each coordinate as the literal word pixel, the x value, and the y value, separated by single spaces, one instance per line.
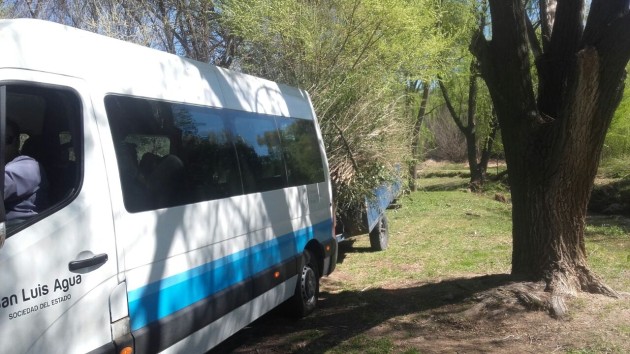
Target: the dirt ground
pixel 447 316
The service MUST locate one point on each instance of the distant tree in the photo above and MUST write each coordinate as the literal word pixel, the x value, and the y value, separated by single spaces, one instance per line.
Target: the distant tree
pixel 417 126
pixel 457 22
pixel 441 138
pixel 553 122
pixel 469 106
pixel 467 124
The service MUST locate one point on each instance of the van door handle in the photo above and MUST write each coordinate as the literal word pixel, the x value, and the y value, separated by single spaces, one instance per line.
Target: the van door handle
pixel 97 260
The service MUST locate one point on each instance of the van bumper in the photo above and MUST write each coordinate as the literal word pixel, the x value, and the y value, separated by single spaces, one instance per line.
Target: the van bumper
pixel 331 250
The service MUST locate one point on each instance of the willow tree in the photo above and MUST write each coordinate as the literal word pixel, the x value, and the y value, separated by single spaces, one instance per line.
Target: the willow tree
pixel 554 117
pixel 353 58
pixel 467 123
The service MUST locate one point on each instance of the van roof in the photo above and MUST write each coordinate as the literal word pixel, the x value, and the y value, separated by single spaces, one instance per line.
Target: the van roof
pixel 109 65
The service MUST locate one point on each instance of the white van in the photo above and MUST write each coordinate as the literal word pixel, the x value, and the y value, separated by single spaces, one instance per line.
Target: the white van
pixel 182 200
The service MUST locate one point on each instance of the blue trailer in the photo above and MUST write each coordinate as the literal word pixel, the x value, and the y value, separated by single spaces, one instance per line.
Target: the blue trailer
pixel 371 219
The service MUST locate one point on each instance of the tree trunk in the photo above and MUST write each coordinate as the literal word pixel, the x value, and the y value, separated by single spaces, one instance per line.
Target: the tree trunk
pixel 413 165
pixel 477 177
pixel 477 169
pixel 553 140
pixel 487 148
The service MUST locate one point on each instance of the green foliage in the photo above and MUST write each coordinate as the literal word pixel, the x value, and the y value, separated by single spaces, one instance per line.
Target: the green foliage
pixel 617 142
pixel 615 168
pixel 350 56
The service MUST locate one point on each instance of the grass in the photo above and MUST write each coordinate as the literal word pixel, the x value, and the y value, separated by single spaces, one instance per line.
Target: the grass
pixel 441 231
pixel 614 168
pixel 436 235
pixel 608 250
pixel 450 233
pixel 444 231
pixel 414 297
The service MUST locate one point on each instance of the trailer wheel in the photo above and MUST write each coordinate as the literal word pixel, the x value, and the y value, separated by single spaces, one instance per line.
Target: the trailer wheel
pixel 306 293
pixel 379 236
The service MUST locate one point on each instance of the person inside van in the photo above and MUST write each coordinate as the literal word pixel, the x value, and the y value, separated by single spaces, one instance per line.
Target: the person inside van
pixel 25 184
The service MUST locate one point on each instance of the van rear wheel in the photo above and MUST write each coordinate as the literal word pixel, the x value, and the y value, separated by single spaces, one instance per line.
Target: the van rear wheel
pixel 306 293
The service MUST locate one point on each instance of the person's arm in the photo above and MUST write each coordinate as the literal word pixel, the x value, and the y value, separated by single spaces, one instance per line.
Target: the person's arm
pixel 10 187
pixel 21 179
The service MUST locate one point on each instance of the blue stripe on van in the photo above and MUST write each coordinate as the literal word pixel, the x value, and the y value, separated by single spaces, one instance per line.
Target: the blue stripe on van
pixel 166 296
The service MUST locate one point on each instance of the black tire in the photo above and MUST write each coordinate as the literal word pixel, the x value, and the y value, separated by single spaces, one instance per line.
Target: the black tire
pixel 379 236
pixel 304 299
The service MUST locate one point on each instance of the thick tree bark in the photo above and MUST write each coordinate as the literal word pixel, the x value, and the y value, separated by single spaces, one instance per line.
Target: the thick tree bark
pixel 553 140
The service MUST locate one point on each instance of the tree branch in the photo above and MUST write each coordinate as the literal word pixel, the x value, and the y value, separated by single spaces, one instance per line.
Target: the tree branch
pixel 371 41
pixel 613 49
pixel 480 48
pixel 547 10
pixel 533 39
pixel 472 94
pixel 558 62
pixel 608 30
pixel 418 123
pixel 487 148
pixel 449 105
pixel 347 146
pixel 614 44
pixel 505 65
pixel 535 46
pixel 567 30
pixel 602 13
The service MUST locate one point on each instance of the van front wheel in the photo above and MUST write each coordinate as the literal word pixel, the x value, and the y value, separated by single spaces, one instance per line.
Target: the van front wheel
pixel 307 289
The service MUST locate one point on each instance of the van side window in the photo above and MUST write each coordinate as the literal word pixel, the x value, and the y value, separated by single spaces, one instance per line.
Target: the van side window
pixel 301 151
pixel 173 154
pixel 259 152
pixel 211 166
pixel 49 123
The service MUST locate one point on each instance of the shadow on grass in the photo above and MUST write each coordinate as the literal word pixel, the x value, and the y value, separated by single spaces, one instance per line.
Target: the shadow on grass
pixel 348 246
pixel 445 186
pixel 611 198
pixel 343 316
